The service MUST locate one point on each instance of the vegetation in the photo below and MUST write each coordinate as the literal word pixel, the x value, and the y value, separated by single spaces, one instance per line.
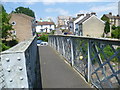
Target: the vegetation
pixel 107 28
pixel 24 10
pixel 104 18
pixel 43 37
pixel 5 29
pixel 116 32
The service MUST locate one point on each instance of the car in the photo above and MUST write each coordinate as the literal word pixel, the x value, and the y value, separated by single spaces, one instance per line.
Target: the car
pixel 44 44
pixel 39 42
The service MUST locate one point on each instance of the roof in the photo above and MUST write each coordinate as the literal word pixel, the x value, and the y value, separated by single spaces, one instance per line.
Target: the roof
pixel 45 23
pixel 22 15
pixel 112 17
pixel 64 17
pixel 73 19
pixel 84 19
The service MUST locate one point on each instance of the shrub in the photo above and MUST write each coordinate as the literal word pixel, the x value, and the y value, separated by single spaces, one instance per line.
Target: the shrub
pixel 3 47
pixel 43 37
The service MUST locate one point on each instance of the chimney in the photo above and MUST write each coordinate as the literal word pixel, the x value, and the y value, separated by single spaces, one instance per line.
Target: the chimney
pixel 93 13
pixel 78 15
pixel 87 14
pixel 117 15
pixel 110 13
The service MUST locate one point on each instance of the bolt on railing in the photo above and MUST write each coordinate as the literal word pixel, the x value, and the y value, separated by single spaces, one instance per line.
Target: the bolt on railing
pixel 97 59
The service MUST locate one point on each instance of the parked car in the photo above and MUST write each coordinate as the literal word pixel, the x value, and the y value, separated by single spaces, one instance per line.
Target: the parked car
pixel 44 44
pixel 39 42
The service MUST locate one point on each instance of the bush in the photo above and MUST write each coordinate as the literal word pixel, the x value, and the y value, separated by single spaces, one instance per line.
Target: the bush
pixel 43 37
pixel 116 34
pixel 3 47
pixel 113 27
pixel 13 43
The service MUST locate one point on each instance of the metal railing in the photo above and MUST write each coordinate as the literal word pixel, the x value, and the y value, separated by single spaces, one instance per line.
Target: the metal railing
pixel 19 65
pixel 96 59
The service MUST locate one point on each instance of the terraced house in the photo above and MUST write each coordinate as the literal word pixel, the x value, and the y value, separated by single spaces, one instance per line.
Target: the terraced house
pixel 87 25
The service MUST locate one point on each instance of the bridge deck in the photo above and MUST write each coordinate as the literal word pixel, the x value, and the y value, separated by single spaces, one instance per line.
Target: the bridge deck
pixel 55 73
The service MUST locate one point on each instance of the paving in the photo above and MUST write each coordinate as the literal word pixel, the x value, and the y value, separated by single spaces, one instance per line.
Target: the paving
pixel 55 73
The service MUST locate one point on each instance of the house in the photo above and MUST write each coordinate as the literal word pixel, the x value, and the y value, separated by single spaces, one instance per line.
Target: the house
pixel 113 20
pixel 23 25
pixel 63 21
pixel 44 26
pixel 90 25
pixel 73 21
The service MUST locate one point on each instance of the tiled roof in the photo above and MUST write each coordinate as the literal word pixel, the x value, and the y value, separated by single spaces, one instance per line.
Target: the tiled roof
pixel 112 17
pixel 45 23
pixel 84 19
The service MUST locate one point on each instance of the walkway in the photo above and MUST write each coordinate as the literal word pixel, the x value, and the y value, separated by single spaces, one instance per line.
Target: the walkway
pixel 56 73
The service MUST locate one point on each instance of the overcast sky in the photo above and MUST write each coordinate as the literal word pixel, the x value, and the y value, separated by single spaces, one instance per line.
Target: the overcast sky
pixel 52 8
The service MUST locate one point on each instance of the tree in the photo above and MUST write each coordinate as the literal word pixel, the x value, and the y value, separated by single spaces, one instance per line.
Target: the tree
pixel 107 28
pixel 24 10
pixel 104 18
pixel 116 33
pixel 5 25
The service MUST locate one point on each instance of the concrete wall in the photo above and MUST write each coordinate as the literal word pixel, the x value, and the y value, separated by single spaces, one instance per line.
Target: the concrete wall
pixel 93 27
pixel 2 77
pixel 20 65
pixel 23 26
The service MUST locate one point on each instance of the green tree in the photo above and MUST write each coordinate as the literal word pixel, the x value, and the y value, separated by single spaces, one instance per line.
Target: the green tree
pixel 116 33
pixel 113 27
pixel 107 28
pixel 5 26
pixel 104 18
pixel 24 10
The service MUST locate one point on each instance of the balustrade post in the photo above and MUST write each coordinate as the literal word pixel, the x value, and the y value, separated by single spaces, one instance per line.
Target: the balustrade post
pixel 89 61
pixel 63 46
pixel 72 53
pixel 58 45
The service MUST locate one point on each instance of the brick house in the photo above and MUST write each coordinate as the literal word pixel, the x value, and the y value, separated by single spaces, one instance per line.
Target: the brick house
pixel 23 25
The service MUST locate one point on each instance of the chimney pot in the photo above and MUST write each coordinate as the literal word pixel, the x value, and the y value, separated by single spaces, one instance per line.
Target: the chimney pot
pixel 93 13
pixel 78 15
pixel 110 13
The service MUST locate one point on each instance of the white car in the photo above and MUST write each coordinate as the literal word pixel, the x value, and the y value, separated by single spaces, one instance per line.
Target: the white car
pixel 43 43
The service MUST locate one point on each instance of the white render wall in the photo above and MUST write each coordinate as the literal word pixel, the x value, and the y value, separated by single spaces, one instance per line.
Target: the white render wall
pixel 39 27
pixel 77 20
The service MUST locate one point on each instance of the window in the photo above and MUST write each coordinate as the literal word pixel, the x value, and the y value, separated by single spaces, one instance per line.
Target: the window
pixel 13 23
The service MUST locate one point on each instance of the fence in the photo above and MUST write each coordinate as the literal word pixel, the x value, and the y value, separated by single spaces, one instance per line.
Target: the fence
pixel 96 59
pixel 19 67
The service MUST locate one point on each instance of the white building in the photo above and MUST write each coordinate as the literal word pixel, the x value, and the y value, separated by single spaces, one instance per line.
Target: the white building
pixel 45 27
pixel 63 21
pixel 73 21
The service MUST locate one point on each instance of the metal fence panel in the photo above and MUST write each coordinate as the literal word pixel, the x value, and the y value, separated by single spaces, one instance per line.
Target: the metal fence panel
pixel 97 59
